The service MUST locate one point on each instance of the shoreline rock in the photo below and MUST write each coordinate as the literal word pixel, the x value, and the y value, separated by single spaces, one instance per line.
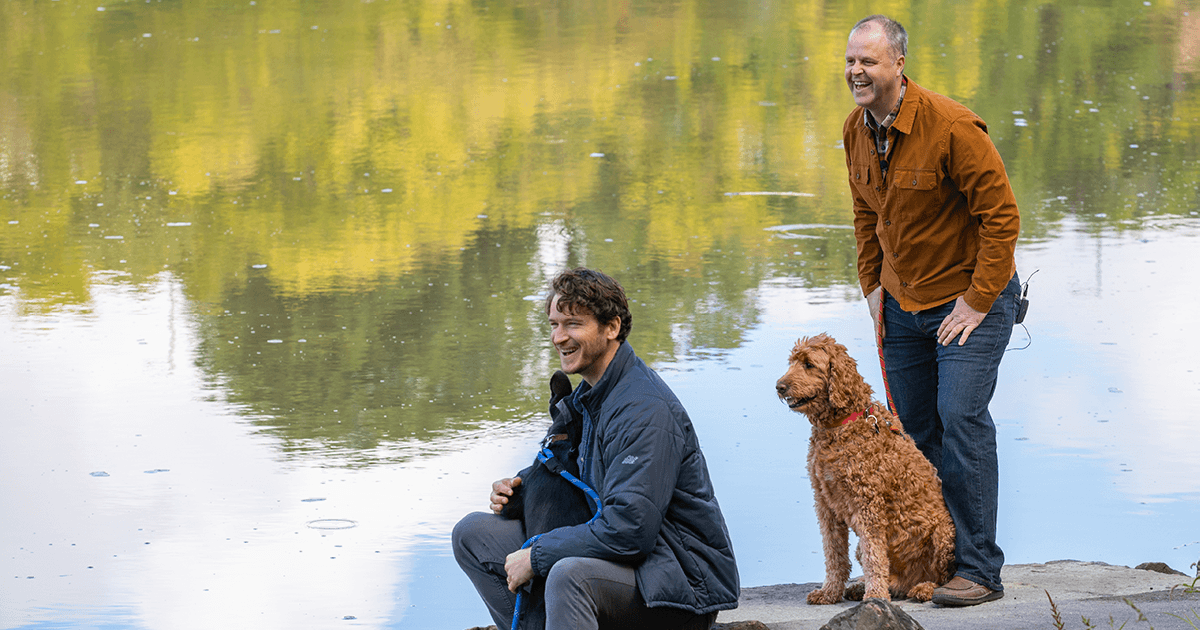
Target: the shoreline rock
pixel 1093 589
pixel 873 614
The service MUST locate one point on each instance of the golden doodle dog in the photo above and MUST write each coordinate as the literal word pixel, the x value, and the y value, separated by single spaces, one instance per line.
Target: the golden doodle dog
pixel 867 474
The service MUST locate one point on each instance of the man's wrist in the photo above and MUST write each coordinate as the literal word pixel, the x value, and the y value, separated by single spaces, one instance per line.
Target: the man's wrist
pixel 977 302
pixel 533 565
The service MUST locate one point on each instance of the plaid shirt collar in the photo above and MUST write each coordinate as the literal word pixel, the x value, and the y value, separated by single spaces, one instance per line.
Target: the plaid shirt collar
pixel 880 129
pixel 887 121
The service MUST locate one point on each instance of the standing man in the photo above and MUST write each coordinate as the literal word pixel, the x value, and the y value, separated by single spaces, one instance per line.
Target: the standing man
pixel 936 224
pixel 658 556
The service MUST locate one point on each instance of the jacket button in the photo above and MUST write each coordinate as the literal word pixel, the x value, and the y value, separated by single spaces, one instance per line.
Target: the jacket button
pixel 858 176
pixel 895 255
pixel 904 284
pixel 914 182
pixel 887 222
pixel 876 189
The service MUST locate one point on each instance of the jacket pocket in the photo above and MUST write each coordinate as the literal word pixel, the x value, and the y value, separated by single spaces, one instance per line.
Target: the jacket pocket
pixel 862 182
pixel 915 179
pixel 860 174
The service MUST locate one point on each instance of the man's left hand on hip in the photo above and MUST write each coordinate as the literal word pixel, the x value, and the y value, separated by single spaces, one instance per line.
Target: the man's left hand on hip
pixel 963 319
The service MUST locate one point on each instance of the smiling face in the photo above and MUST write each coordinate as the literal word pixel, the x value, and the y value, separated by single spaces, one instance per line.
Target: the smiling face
pixel 585 346
pixel 873 70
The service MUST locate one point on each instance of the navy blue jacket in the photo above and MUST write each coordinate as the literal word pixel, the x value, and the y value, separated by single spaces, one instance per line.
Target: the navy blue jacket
pixel 659 512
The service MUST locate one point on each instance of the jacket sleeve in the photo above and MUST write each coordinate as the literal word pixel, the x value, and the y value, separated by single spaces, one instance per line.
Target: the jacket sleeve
pixel 976 168
pixel 641 452
pixel 870 253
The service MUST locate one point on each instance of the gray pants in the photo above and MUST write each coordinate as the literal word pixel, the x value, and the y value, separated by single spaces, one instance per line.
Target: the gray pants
pixel 580 593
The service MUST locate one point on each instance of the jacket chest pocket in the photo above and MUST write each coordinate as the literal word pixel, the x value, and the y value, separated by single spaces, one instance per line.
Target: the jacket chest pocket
pixel 860 176
pixel 915 179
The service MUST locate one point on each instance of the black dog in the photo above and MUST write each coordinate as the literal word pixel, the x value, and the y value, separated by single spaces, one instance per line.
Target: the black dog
pixel 545 500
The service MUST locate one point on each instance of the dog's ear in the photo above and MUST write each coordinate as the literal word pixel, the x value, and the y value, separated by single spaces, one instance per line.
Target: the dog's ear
pixel 844 380
pixel 560 387
pixel 561 413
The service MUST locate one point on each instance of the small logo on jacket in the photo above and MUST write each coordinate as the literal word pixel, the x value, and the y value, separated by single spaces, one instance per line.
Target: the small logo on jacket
pixel 630 459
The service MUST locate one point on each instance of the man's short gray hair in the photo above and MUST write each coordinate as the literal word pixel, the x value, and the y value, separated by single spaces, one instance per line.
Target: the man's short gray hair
pixel 896 35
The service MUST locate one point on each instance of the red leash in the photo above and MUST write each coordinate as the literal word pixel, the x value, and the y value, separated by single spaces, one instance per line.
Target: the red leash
pixel 887 389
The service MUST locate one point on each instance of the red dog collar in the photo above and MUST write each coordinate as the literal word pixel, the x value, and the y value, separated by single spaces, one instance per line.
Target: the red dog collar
pixel 870 413
pixel 858 414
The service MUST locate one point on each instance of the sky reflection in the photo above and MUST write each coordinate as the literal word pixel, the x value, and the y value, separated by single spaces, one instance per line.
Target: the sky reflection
pixel 199 522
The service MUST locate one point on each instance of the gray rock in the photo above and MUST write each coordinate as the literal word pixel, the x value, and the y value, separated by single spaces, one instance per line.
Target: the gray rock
pixel 873 614
pixel 1159 567
pixel 741 625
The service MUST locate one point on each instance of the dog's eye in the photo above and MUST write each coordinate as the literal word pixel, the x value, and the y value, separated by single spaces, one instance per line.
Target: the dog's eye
pixel 808 365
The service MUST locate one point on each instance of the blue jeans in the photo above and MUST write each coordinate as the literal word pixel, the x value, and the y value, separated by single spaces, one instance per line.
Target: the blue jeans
pixel 941 394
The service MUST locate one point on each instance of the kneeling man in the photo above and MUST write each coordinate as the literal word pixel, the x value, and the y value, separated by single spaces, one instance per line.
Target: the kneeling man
pixel 658 555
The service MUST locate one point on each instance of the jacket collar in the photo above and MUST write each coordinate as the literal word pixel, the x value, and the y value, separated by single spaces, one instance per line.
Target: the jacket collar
pixel 914 95
pixel 593 396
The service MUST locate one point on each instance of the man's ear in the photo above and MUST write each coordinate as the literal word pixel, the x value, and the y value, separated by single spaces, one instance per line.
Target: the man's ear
pixel 900 64
pixel 612 329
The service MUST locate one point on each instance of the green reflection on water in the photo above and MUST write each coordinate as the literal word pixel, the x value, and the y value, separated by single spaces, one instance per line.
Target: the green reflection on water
pixel 362 201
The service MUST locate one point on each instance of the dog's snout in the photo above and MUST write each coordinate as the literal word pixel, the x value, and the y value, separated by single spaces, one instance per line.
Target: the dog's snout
pixel 780 387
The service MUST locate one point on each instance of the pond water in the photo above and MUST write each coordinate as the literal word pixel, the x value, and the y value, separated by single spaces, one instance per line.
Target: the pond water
pixel 270 271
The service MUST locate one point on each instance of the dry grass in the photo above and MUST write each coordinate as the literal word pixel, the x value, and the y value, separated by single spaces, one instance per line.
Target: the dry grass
pixel 1192 618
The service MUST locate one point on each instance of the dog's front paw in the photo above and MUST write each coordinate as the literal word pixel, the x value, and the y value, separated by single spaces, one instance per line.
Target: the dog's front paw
pixel 824 596
pixel 922 592
pixel 878 593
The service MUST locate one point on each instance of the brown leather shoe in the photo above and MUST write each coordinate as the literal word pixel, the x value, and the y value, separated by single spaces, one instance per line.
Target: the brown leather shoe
pixel 963 592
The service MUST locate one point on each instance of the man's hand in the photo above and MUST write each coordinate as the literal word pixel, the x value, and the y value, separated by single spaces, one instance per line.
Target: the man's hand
pixel 501 491
pixel 963 319
pixel 875 305
pixel 519 569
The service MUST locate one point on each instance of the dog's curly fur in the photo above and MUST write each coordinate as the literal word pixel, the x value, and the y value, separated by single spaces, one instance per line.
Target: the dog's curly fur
pixel 867 474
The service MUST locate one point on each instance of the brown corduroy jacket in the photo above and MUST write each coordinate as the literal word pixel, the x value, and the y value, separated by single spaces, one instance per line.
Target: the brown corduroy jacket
pixel 945 222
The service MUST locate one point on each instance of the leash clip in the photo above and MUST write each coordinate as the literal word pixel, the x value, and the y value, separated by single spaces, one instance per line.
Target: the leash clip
pixel 552 438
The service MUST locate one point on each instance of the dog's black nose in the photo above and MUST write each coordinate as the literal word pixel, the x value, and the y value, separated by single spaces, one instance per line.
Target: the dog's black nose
pixel 780 388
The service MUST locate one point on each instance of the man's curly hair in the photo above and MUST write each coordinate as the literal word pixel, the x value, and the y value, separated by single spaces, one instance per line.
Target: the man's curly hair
pixel 594 292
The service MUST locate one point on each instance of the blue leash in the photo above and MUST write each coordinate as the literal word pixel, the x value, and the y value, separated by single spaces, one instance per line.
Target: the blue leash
pixel 544 455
